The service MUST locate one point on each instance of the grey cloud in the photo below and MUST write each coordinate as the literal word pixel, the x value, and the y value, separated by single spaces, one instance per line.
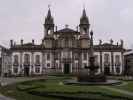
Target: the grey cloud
pixel 25 18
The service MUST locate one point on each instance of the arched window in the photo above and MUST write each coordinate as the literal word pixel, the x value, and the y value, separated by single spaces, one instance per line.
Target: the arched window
pixel 27 59
pixel 16 60
pixel 37 60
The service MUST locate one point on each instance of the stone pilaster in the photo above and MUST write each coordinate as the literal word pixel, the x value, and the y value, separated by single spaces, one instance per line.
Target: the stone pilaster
pixel 21 63
pixel 43 63
pixel 101 61
pixel 32 63
pixel 60 61
pixel 112 62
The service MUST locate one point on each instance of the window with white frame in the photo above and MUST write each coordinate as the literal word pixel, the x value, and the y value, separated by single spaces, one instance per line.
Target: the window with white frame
pixel 76 56
pixel 96 59
pixel 15 60
pixel 48 56
pixel 56 65
pixel 37 69
pixel 26 59
pixel 48 65
pixel 37 60
pixel 85 56
pixel 106 60
pixel 15 69
pixel 85 65
pixel 117 60
pixel 76 64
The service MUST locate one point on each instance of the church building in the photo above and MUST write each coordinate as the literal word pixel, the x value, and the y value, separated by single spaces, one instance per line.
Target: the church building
pixel 65 51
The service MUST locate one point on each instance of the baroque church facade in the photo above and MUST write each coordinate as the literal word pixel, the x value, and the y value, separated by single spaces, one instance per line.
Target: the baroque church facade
pixel 65 51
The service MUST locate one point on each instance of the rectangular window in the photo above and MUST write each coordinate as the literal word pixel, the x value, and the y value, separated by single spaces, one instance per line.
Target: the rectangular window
pixel 26 59
pixel 15 63
pixel 76 56
pixel 85 56
pixel 76 65
pixel 37 59
pixel 117 60
pixel 85 65
pixel 96 59
pixel 37 70
pixel 48 65
pixel 106 57
pixel 56 56
pixel 15 70
pixel 56 65
pixel 106 60
pixel 48 56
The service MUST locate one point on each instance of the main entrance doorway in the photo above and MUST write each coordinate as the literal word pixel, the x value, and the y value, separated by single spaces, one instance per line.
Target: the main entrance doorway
pixel 66 68
pixel 107 71
pixel 26 71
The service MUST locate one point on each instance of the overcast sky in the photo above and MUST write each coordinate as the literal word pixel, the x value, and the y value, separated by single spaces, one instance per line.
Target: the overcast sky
pixel 23 19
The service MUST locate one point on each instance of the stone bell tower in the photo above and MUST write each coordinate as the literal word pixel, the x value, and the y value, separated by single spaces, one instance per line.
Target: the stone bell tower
pixel 48 30
pixel 84 31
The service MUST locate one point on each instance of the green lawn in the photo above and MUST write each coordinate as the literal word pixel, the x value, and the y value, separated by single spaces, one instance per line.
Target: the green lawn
pixel 128 86
pixel 54 89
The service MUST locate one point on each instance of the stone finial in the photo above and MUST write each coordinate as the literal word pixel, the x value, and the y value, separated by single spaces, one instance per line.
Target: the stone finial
pixel 77 28
pixel 122 42
pixel 117 43
pixel 33 41
pixel 11 43
pixel 56 28
pixel 91 33
pixel 111 41
pixel 66 26
pixel 14 43
pixel 21 41
pixel 100 42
